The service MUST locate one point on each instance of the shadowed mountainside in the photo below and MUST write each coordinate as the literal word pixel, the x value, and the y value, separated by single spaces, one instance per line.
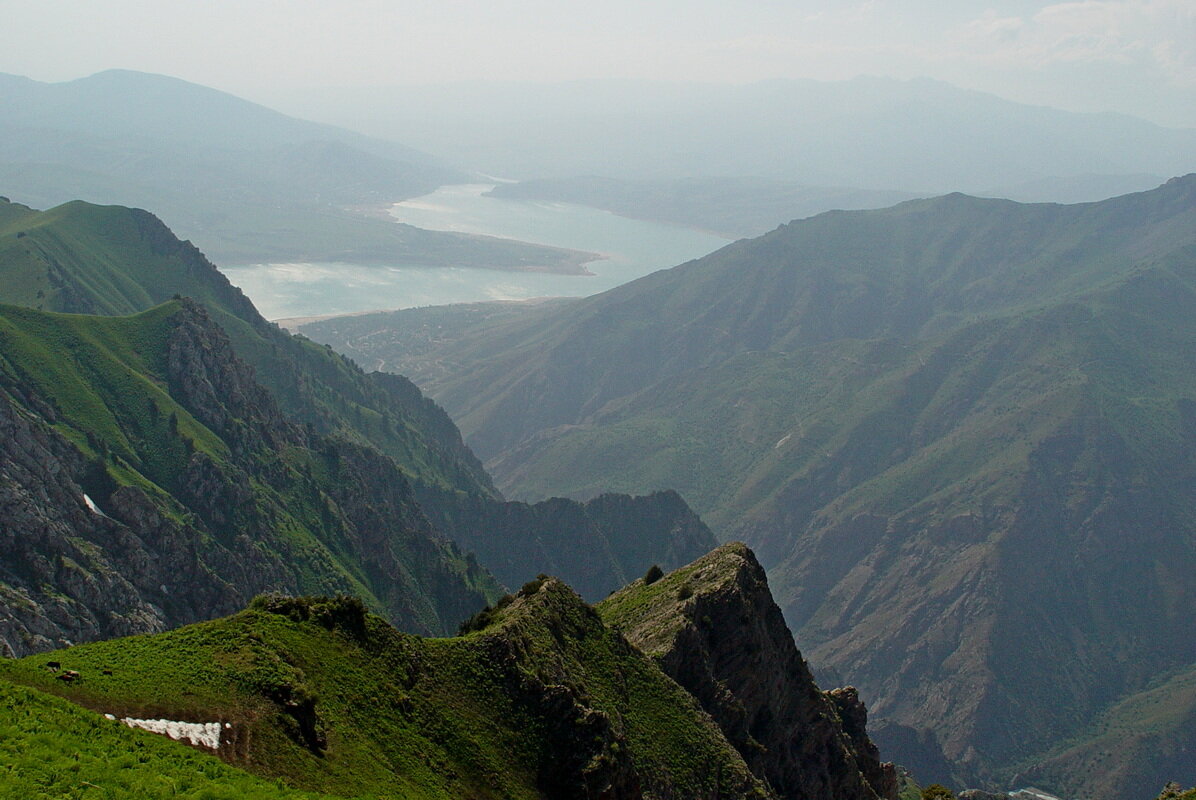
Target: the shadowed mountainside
pixel 714 628
pixel 148 481
pixel 957 432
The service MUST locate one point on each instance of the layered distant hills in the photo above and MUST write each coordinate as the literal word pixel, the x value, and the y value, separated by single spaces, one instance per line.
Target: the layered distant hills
pixel 245 183
pixel 959 432
pixel 919 135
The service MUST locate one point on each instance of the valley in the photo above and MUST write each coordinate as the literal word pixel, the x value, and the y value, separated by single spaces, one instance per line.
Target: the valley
pixel 940 424
pixel 607 251
pixel 671 402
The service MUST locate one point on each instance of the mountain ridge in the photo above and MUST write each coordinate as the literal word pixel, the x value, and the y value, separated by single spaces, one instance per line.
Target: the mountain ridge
pixel 248 184
pixel 866 133
pixel 332 452
pixel 927 421
pixel 150 481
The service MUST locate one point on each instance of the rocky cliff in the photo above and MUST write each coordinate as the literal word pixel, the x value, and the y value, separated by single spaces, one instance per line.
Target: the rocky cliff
pixel 82 258
pixel 715 629
pixel 86 259
pixel 147 481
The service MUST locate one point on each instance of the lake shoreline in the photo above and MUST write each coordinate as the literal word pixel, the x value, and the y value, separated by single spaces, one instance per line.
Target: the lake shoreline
pixel 596 251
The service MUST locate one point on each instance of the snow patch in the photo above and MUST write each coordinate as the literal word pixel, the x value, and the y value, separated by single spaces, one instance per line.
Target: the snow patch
pixel 91 504
pixel 203 734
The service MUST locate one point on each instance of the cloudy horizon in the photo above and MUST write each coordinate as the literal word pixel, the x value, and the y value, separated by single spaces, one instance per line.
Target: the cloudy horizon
pixel 1130 56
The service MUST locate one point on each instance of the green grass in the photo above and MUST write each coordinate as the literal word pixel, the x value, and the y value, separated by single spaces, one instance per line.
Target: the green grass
pixel 107 378
pixel 111 260
pixel 402 716
pixel 105 383
pixel 51 748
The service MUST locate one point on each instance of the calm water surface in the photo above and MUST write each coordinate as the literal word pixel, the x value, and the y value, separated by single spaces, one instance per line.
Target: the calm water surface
pixel 631 249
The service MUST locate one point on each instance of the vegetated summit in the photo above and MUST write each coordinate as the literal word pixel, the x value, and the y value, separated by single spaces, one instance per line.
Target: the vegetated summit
pixel 164 467
pixel 958 431
pixel 539 697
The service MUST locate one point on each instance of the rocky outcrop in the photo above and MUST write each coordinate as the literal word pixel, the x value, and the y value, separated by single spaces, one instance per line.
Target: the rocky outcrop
pixel 546 640
pixel 186 510
pixel 75 572
pixel 715 629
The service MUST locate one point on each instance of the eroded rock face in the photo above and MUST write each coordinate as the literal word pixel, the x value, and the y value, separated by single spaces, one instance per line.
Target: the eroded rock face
pixel 86 553
pixel 715 629
pixel 70 573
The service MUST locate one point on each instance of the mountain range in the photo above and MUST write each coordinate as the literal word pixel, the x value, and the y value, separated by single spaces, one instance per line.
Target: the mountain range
pixel 245 183
pixel 919 135
pixel 170 454
pixel 957 431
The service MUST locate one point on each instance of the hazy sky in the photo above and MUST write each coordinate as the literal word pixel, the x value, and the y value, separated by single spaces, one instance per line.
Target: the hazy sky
pixel 1135 56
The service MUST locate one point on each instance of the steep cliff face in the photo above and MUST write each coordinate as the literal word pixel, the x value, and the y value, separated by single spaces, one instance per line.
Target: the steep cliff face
pixel 70 572
pixel 147 481
pixel 595 547
pixel 714 628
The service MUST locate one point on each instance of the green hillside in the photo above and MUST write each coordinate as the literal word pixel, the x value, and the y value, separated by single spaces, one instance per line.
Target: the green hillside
pixel 111 260
pixel 545 702
pixel 82 258
pixel 1144 740
pixel 51 748
pixel 150 482
pixel 958 432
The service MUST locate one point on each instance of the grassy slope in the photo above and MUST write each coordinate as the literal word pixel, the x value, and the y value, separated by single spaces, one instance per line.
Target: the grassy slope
pixel 51 748
pixel 903 387
pixel 399 715
pixel 108 381
pixel 106 378
pixel 112 260
pixel 1144 740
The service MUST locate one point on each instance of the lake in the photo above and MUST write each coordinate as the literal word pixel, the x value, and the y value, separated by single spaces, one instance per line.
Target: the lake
pixel 631 248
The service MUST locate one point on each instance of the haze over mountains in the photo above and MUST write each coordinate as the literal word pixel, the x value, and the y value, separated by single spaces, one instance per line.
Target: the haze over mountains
pixel 957 431
pixel 247 184
pixel 921 135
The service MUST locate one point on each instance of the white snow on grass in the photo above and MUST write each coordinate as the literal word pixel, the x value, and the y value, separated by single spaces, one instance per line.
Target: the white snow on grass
pixel 203 734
